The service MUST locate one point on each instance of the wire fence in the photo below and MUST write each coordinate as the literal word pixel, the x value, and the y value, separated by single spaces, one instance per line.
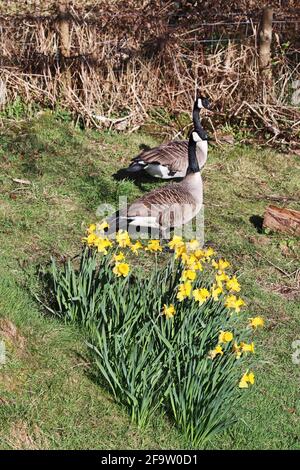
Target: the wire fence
pixel 208 33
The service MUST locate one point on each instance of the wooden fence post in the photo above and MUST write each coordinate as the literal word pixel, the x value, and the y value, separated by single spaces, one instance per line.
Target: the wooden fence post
pixel 265 39
pixel 64 46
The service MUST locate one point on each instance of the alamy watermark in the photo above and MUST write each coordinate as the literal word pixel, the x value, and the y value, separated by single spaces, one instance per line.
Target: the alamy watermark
pixel 153 221
pixel 296 353
pixel 2 353
pixel 296 94
pixel 2 92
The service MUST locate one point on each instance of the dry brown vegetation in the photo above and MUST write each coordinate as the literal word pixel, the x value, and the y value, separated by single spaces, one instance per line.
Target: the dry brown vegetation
pixel 124 60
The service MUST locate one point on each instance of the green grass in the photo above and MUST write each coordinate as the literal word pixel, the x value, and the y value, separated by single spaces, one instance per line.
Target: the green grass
pixel 49 397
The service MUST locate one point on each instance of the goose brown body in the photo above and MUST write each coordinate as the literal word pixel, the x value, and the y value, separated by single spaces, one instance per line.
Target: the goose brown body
pixel 173 156
pixel 170 160
pixel 169 206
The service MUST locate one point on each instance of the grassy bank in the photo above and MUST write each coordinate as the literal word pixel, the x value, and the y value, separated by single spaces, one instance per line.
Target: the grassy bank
pixel 49 397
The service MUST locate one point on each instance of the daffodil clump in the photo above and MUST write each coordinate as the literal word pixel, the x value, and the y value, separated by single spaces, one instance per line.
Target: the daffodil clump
pixel 176 337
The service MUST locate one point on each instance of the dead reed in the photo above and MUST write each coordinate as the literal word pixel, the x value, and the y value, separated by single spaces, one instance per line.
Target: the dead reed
pixel 117 73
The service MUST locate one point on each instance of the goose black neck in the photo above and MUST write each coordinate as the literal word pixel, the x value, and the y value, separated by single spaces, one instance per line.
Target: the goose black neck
pixel 199 129
pixel 193 161
pixel 196 116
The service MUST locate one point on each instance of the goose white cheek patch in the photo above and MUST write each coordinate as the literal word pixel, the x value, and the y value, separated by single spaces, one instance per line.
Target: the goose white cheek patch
pixel 200 105
pixel 196 137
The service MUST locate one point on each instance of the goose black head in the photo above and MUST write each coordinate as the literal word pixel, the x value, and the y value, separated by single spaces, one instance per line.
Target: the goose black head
pixel 201 102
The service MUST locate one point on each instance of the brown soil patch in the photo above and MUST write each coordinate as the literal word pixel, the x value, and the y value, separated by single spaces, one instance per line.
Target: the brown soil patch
pixel 22 438
pixel 10 333
pixel 288 292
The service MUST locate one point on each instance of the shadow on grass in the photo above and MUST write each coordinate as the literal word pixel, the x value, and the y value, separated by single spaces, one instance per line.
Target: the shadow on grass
pixel 137 178
pixel 257 222
pixel 144 147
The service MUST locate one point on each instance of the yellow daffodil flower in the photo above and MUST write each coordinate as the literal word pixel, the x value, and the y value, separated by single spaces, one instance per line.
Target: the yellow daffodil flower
pixel 225 337
pixel 231 301
pixel 233 284
pixel 199 254
pixel 244 382
pixel 216 291
pixel 197 266
pixel 121 269
pixel 119 257
pixel 123 238
pixel 188 260
pixel 248 378
pixel 184 290
pixel 169 311
pixel 176 242
pixel 220 278
pixel 220 265
pixel 183 255
pixel 239 303
pixel 135 247
pixel 201 295
pixel 154 245
pixel 91 229
pixel 251 378
pixel 256 322
pixel 180 251
pixel 191 262
pixel 237 350
pixel 208 253
pixel 102 244
pixel 218 350
pixel 91 239
pixel 247 347
pixel 188 275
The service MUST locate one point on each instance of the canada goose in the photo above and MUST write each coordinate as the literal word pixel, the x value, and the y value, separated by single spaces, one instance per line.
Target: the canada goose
pixel 169 206
pixel 170 160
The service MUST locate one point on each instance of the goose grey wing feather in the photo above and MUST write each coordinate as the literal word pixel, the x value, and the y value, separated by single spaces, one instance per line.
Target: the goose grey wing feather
pixel 173 155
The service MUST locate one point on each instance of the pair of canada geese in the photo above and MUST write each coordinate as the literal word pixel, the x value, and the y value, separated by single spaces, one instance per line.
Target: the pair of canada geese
pixel 175 204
